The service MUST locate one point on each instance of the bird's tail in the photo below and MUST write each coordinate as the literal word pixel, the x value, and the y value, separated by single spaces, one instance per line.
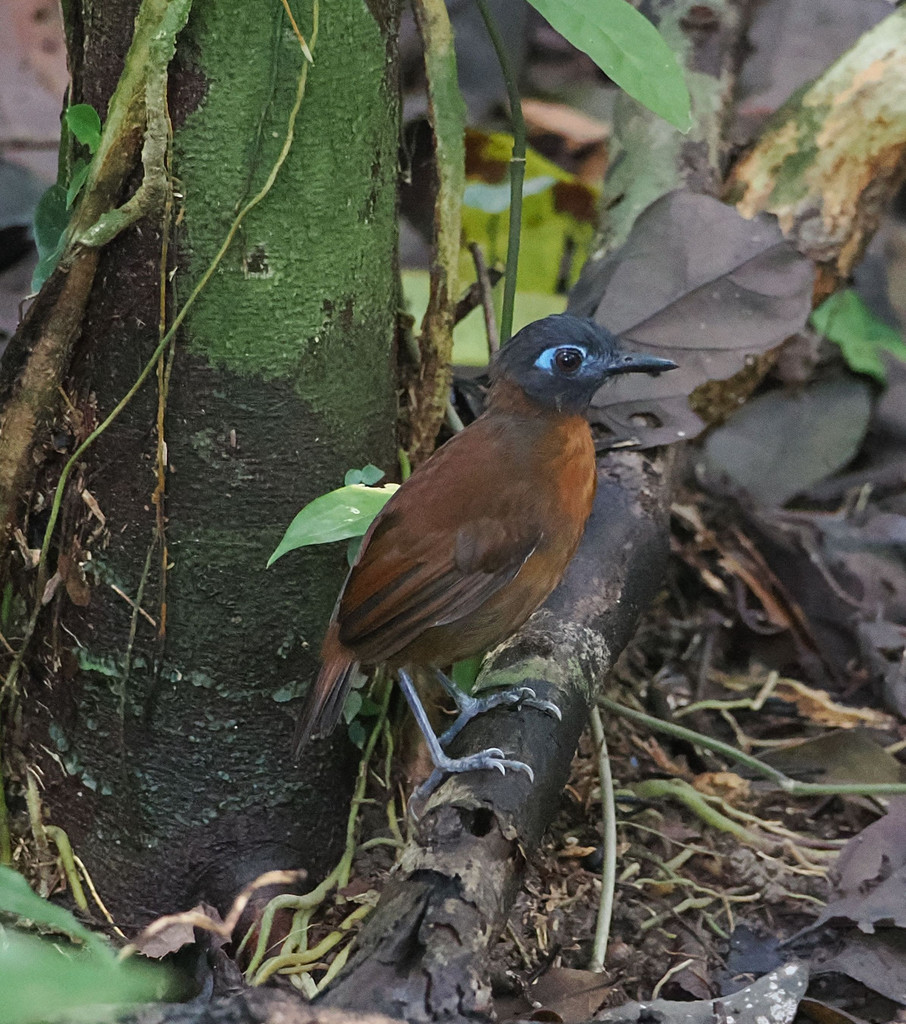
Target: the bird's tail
pixel 324 700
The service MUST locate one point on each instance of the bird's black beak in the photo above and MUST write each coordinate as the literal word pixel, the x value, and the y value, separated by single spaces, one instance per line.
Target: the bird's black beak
pixel 636 362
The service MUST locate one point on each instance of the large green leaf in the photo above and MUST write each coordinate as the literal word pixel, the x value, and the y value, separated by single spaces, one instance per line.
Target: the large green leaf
pixel 628 48
pixel 18 899
pixel 559 220
pixel 41 980
pixel 846 320
pixel 470 337
pixel 337 515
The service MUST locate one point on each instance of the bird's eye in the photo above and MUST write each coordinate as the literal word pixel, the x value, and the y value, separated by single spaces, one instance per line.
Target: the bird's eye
pixel 568 360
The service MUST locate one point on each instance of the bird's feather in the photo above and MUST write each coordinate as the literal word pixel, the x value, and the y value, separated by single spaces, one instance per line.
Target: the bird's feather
pixel 327 695
pixel 431 559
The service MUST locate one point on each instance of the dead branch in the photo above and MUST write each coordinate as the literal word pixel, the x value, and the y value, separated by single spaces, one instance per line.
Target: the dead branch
pixel 833 157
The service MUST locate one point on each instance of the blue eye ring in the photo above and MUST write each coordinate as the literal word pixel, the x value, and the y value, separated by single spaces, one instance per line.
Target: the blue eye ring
pixel 566 359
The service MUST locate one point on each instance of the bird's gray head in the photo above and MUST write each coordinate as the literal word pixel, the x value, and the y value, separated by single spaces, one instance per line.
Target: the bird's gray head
pixel 562 360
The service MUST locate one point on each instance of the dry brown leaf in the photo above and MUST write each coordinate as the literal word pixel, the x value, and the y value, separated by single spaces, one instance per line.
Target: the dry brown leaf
pixel 93 506
pixel 575 852
pixel 177 930
pixel 71 574
pixel 817 706
pixel 727 785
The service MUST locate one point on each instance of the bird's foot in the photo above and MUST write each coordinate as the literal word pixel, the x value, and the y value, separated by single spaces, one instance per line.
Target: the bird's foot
pixel 470 707
pixel 492 758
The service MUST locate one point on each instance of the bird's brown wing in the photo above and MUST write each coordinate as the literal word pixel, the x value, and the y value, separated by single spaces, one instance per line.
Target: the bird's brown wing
pixel 416 572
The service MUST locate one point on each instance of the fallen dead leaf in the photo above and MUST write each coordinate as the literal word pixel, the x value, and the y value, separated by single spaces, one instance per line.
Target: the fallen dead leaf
pixel 727 785
pixel 875 852
pixel 817 706
pixel 774 998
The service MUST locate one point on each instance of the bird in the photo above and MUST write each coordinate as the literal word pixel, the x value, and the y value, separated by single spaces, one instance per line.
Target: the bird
pixel 477 537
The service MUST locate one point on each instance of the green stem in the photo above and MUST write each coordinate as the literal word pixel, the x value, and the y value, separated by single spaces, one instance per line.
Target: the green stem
pixel 677 789
pixel 64 849
pixel 6 846
pixel 517 174
pixel 784 782
pixel 338 878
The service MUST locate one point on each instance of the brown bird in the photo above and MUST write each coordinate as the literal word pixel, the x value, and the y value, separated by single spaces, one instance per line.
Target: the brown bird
pixel 480 534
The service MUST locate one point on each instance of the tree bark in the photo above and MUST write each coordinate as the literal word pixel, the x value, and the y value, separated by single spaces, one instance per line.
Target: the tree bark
pixel 163 735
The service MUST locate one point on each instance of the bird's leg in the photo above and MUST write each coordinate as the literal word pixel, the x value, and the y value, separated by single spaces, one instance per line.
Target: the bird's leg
pixel 469 707
pixel 493 757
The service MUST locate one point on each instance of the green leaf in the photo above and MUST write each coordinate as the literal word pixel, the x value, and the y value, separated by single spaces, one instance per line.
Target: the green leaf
pixel 352 549
pixel 628 48
pixel 83 121
pixel 369 708
pixel 367 475
pixel 51 219
pixel 79 174
pixel 465 672
pixel 352 706
pixel 337 515
pixel 43 979
pixel 845 320
pixel 357 733
pixel 17 897
pixel 496 198
pixel 48 977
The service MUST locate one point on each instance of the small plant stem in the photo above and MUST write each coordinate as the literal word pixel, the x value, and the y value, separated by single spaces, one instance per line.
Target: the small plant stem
pixel 782 781
pixel 473 297
pixel 95 895
pixel 67 861
pixel 306 904
pixel 609 866
pixel 517 173
pixel 316 953
pixel 6 846
pixel 698 803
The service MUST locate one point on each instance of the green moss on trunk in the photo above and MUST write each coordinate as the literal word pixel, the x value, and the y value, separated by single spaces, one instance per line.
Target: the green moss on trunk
pixel 174 780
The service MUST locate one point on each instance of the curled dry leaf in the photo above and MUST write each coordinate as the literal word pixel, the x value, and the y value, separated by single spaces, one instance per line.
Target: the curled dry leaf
pixel 817 707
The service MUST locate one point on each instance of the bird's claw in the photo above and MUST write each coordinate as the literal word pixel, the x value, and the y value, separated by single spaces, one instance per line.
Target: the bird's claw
pixel 484 760
pixel 470 707
pixel 493 757
pixel 548 706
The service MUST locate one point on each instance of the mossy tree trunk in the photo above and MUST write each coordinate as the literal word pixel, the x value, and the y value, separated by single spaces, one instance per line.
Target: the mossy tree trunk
pixel 163 734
